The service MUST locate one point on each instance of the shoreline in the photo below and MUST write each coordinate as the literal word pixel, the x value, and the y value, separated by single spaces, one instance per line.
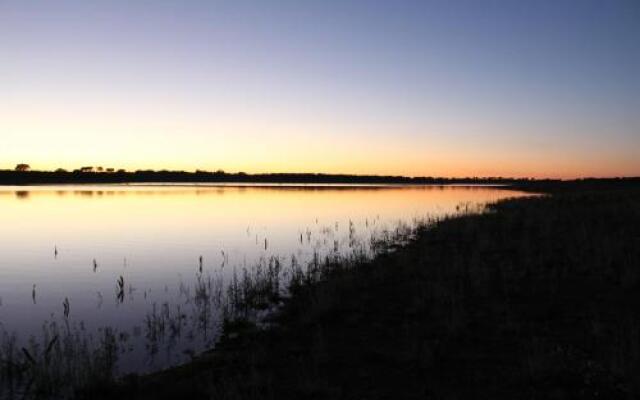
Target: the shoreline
pixel 21 178
pixel 434 313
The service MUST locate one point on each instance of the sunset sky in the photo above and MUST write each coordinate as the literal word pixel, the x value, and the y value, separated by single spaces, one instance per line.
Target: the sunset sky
pixel 438 88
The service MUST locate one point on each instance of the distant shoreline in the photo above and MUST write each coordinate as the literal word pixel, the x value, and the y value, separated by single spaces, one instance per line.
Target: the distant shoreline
pixel 274 185
pixel 21 178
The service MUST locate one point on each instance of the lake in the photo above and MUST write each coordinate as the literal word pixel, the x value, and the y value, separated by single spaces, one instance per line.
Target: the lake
pixel 133 257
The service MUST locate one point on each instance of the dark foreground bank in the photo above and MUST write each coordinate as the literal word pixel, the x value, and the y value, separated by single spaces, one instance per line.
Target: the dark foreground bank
pixel 536 299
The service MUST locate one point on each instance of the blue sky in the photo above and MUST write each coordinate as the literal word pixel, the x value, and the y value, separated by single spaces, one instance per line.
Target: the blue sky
pixel 539 88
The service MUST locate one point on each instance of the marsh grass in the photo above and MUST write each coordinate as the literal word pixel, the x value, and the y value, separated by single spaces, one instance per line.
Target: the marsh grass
pixel 62 361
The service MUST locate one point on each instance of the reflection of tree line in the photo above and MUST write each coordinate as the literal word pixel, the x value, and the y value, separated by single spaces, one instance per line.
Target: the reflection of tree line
pixel 23 175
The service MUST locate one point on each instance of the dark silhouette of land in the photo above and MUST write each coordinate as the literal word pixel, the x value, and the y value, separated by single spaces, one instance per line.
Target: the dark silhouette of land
pixel 90 175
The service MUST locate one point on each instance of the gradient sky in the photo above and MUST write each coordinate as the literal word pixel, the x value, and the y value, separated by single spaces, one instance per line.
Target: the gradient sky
pixel 447 88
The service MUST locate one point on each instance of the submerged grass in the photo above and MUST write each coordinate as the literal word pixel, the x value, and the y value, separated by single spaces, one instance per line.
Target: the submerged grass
pixel 65 360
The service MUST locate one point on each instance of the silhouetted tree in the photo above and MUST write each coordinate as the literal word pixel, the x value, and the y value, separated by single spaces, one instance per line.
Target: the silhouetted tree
pixel 23 167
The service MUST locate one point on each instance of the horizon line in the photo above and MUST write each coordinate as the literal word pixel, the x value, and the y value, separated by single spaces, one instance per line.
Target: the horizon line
pixel 106 172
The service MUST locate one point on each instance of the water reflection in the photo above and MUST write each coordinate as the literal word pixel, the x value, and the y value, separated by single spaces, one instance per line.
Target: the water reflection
pixel 161 266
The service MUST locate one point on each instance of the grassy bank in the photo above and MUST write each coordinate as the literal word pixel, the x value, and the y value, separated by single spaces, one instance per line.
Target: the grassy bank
pixel 535 299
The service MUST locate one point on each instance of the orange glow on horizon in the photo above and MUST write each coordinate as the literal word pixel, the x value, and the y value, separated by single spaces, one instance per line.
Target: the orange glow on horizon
pixel 511 170
pixel 174 137
pixel 166 134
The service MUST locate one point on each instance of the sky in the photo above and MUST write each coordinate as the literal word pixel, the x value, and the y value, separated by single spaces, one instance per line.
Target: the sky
pixel 420 88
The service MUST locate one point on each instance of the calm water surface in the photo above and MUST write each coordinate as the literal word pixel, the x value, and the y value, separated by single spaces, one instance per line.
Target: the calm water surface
pixel 75 242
